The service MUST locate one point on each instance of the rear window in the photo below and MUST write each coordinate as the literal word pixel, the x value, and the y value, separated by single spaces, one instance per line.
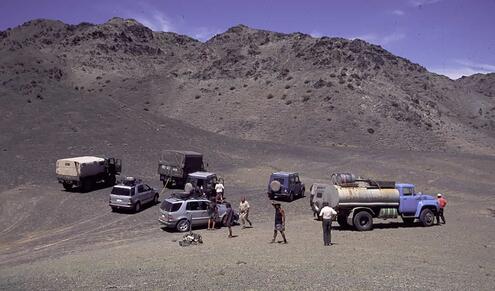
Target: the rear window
pixel 170 207
pixel 121 191
pixel 280 179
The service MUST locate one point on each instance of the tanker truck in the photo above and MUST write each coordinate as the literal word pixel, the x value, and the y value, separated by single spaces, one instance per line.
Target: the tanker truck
pixel 357 201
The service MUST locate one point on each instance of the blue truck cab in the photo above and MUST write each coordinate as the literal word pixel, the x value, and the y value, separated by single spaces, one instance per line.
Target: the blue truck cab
pixel 414 205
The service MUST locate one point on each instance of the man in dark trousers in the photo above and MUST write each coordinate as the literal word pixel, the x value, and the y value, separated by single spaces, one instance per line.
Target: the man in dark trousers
pixel 442 202
pixel 229 218
pixel 327 214
pixel 279 222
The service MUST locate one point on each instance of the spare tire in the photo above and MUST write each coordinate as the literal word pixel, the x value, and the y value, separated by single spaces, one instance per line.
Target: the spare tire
pixel 188 187
pixel 275 186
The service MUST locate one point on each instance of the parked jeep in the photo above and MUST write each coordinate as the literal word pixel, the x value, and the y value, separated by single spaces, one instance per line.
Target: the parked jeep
pixel 174 166
pixel 206 180
pixel 132 194
pixel 179 213
pixel 285 185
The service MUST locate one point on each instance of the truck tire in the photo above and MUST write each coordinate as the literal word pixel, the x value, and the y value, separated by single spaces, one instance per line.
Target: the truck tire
pixel 155 199
pixel 183 225
pixel 363 221
pixel 86 185
pixel 291 196
pixel 137 207
pixel 427 217
pixel 67 186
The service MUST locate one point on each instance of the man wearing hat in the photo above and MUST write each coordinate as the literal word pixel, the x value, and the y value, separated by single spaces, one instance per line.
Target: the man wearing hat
pixel 442 202
pixel 279 222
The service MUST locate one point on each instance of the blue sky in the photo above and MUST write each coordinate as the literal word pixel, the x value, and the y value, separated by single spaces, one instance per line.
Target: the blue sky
pixel 451 37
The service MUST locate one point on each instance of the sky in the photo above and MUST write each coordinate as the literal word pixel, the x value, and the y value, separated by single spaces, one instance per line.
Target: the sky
pixel 449 37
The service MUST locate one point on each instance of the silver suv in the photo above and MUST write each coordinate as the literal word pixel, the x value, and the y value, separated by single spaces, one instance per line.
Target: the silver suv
pixel 178 213
pixel 132 194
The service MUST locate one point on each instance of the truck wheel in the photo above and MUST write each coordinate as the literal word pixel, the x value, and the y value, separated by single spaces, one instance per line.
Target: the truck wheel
pixel 183 225
pixel 137 207
pixel 86 185
pixel 67 186
pixel 155 199
pixel 291 196
pixel 363 221
pixel 427 217
pixel 302 192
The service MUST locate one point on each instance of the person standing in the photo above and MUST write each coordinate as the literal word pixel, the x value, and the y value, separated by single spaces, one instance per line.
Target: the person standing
pixel 244 212
pixel 212 214
pixel 442 202
pixel 279 222
pixel 219 188
pixel 327 214
pixel 229 218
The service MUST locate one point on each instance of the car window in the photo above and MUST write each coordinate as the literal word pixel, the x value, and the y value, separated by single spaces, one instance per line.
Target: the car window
pixel 170 207
pixel 140 188
pixel 192 205
pixel 406 191
pixel 121 191
pixel 203 205
pixel 146 188
pixel 291 179
pixel 297 179
pixel 214 180
pixel 319 194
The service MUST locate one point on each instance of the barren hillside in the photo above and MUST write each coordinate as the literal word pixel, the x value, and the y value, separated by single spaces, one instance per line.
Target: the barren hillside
pixel 246 83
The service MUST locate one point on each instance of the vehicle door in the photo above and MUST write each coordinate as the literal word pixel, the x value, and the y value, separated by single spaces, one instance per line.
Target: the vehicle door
pixel 148 192
pixel 408 201
pixel 194 212
pixel 203 212
pixel 297 185
pixel 141 193
pixel 292 184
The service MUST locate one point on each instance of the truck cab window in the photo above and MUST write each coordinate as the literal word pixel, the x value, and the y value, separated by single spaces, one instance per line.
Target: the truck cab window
pixel 192 205
pixel 140 188
pixel 407 191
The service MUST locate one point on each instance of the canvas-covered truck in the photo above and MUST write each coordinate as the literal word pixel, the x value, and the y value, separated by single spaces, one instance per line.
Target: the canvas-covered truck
pixel 85 172
pixel 175 166
pixel 357 201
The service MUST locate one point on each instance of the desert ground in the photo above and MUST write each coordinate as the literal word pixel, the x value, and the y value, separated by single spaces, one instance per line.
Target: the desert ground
pixel 253 102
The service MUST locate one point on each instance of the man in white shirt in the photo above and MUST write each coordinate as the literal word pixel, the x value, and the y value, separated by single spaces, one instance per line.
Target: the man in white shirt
pixel 219 189
pixel 327 213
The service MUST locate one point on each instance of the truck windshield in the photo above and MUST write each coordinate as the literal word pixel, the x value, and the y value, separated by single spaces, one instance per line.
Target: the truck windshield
pixel 121 191
pixel 169 206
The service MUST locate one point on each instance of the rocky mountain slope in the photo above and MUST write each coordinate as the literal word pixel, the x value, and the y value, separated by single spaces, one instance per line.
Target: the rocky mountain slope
pixel 245 83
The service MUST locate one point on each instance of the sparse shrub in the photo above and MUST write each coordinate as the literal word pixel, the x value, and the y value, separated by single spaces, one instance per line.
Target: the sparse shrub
pixel 287 86
pixel 350 86
pixel 38 96
pixel 146 109
pixel 197 97
pixel 147 102
pixel 332 75
pixel 77 88
pixel 288 102
pixel 305 99
pixel 98 78
pixel 371 130
pixel 29 101
pixel 329 119
pixel 245 85
pixel 308 91
pixel 270 96
pixel 107 81
pixel 284 96
pixel 307 81
pixel 232 88
pixel 289 78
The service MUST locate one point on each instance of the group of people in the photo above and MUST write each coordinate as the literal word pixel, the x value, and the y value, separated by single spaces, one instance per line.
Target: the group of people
pixel 326 213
